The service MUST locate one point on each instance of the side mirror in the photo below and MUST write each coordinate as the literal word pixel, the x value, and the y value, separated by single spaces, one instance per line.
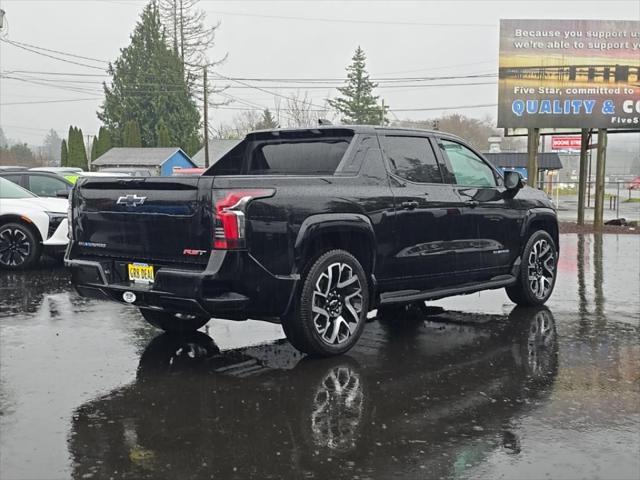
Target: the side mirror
pixel 62 194
pixel 513 181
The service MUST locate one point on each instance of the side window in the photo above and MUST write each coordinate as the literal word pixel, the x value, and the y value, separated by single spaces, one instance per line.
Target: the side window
pixel 412 158
pixel 46 186
pixel 468 169
pixel 230 163
pixel 354 162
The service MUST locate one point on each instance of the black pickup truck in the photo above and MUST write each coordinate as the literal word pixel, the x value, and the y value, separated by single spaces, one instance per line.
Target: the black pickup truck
pixel 314 228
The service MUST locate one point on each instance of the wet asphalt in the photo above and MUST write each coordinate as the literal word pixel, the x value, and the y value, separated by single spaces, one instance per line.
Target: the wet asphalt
pixel 468 388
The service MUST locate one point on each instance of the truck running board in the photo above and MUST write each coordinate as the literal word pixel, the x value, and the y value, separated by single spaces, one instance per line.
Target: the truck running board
pixel 406 296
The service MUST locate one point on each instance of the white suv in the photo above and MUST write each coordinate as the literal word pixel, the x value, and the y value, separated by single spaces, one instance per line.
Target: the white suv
pixel 30 225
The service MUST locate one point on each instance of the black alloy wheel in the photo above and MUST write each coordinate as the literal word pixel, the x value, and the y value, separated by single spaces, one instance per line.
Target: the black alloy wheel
pixel 19 247
pixel 332 308
pixel 538 270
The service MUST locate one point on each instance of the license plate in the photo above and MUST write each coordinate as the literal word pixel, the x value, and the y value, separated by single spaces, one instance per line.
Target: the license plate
pixel 140 272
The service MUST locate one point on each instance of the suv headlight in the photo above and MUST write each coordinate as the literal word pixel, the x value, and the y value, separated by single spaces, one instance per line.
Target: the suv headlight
pixel 55 219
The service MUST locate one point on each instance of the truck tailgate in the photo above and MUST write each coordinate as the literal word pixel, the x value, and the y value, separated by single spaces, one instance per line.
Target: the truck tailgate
pixel 150 219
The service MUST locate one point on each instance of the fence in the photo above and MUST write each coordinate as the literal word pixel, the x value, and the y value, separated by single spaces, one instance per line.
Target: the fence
pixel 565 195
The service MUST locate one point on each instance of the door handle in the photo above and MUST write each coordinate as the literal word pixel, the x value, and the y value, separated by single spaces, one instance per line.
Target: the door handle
pixel 409 205
pixel 472 203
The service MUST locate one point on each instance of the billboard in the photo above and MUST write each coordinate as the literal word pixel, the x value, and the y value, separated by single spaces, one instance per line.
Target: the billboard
pixel 569 74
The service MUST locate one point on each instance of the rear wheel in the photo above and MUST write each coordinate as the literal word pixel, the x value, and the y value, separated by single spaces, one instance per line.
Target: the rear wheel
pixel 173 322
pixel 19 246
pixel 332 308
pixel 537 275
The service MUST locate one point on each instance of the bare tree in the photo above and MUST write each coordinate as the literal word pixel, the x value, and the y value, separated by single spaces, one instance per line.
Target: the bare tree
pixel 300 112
pixel 475 130
pixel 189 35
pixel 240 125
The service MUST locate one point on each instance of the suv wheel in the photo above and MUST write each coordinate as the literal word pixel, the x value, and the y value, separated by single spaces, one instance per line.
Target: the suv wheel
pixel 332 309
pixel 538 270
pixel 19 247
pixel 173 322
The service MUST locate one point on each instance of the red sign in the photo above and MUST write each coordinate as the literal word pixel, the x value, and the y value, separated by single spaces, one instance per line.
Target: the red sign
pixel 566 142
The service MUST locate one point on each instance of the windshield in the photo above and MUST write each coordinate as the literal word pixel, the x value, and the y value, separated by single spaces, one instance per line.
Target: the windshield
pixel 11 190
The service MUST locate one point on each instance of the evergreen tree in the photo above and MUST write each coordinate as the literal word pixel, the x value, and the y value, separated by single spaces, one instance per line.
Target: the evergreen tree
pixel 72 147
pixel 104 141
pixel 192 146
pixel 267 122
pixel 82 151
pixel 162 134
pixel 148 84
pixel 94 149
pixel 76 153
pixel 64 155
pixel 131 135
pixel 358 104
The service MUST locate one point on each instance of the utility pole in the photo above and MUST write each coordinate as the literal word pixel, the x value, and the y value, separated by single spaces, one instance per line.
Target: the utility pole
pixel 382 114
pixel 206 119
pixel 582 171
pixel 87 150
pixel 598 214
pixel 533 141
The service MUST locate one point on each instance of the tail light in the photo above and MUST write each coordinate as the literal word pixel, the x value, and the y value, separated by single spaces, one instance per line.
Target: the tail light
pixel 229 216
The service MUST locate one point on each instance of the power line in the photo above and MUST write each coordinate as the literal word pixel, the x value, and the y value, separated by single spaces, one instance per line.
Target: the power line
pixel 57 51
pixel 50 56
pixel 364 22
pixel 457 107
pixel 67 82
pixel 311 80
pixel 39 102
pixel 275 94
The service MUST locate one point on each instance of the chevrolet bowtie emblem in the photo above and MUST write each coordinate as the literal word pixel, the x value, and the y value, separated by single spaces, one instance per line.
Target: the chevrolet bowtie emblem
pixel 131 200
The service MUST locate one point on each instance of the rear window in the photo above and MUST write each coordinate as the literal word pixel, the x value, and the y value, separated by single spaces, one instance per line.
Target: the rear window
pixel 305 152
pixel 307 157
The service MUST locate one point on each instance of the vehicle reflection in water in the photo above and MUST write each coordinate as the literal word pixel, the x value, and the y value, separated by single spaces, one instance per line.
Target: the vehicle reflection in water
pixel 24 292
pixel 418 394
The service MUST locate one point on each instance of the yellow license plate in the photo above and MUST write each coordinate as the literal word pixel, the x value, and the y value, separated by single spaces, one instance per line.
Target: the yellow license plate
pixel 140 272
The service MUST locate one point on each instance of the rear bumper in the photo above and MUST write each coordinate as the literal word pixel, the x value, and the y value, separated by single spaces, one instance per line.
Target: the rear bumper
pixel 233 285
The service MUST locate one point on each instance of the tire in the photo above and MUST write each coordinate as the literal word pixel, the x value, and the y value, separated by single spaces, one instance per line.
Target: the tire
pixel 331 311
pixel 173 322
pixel 20 248
pixel 538 271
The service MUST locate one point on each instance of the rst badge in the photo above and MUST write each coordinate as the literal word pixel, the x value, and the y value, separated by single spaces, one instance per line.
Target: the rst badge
pixel 194 253
pixel 131 200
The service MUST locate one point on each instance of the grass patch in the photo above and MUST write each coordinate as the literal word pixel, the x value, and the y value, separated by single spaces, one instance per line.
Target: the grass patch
pixel 565 191
pixel 632 200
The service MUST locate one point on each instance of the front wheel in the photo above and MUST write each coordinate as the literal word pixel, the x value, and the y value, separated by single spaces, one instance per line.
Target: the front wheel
pixel 538 270
pixel 331 311
pixel 173 322
pixel 19 247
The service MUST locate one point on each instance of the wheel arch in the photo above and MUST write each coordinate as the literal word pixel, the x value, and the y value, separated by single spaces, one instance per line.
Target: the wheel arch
pixel 352 232
pixel 23 220
pixel 541 219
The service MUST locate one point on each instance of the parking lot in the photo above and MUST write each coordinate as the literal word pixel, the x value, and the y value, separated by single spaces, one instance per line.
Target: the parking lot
pixel 475 389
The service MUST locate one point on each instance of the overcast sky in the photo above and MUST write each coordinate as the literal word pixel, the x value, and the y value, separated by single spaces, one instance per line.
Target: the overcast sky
pixel 400 39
